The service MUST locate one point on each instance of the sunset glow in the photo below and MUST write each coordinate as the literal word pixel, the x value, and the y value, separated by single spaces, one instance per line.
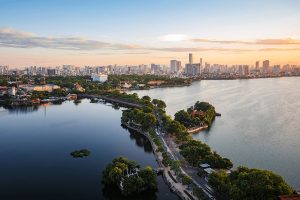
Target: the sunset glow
pixel 134 32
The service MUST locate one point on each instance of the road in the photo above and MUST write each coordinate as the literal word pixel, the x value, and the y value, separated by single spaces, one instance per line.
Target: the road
pixel 186 169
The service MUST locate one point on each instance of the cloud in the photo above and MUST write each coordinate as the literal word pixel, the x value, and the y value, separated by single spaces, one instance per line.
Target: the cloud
pixel 188 49
pixel 173 37
pixel 18 39
pixel 219 41
pixel 236 50
pixel 284 41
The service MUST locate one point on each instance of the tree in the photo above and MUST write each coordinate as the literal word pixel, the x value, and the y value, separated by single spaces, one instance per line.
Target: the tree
pixel 175 127
pixel 146 98
pixel 159 103
pixel 186 180
pixel 194 151
pixel 184 118
pixel 149 176
pixel 147 109
pixel 252 184
pixel 216 161
pixel 182 136
pixel 204 106
pixel 132 184
pixel 113 175
pixel 148 121
pixel 175 166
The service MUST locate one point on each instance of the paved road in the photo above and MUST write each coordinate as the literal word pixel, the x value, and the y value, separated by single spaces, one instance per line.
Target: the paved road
pixel 185 169
pixel 191 171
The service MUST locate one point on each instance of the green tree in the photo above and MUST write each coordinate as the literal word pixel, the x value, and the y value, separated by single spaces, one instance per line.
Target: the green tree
pixel 252 184
pixel 132 184
pixel 149 120
pixel 175 127
pixel 186 180
pixel 115 175
pixel 149 176
pixel 146 98
pixel 184 118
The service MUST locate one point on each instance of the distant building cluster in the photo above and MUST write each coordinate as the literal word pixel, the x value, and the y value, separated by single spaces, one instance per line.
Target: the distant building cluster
pixel 4 70
pixel 175 69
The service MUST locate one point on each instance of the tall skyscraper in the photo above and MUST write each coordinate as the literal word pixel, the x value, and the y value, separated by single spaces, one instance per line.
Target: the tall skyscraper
pixel 246 70
pixel 257 65
pixel 241 70
pixel 266 66
pixel 193 69
pixel 190 58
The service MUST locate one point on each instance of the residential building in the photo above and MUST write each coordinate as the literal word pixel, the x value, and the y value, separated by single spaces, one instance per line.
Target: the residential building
pixel 175 66
pixel 266 66
pixel 99 77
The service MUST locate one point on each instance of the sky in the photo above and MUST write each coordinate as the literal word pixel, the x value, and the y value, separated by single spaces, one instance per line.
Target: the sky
pixel 131 32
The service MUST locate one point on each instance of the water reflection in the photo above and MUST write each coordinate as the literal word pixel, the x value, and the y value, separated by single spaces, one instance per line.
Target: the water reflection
pixel 21 109
pixel 35 151
pixel 113 193
pixel 140 140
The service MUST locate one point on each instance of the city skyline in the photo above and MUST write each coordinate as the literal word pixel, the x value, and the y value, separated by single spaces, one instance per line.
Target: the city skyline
pixel 132 32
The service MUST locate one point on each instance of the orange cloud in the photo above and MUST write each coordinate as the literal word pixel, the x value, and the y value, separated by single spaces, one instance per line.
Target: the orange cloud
pixel 284 41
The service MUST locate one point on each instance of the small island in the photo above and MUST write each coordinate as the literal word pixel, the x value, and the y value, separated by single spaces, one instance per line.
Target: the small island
pixel 127 176
pixel 197 117
pixel 80 153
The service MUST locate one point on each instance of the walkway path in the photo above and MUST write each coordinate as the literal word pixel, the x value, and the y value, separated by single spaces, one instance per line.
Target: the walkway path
pixel 112 100
pixel 185 168
pixel 176 187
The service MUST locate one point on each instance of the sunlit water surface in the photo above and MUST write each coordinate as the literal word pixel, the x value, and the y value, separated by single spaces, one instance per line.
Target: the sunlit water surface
pixel 260 123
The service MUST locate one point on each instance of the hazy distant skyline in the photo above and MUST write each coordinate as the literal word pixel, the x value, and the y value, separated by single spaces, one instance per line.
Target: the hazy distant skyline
pixel 58 32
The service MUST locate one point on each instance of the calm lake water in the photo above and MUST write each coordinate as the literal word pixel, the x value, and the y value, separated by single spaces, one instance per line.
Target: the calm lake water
pixel 260 123
pixel 35 145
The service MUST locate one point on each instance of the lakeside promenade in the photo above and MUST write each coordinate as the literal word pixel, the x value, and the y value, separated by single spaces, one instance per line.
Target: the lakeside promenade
pixel 168 175
pixel 181 190
pixel 111 100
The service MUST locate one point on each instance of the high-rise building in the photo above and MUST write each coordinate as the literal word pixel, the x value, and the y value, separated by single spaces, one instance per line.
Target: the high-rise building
pixel 155 68
pixel 51 72
pixel 193 69
pixel 175 66
pixel 3 70
pixel 266 66
pixel 241 70
pixel 256 65
pixel 246 70
pixel 276 69
pixel 190 58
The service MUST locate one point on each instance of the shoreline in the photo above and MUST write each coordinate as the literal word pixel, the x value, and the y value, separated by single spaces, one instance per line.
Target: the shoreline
pixel 166 172
pixel 197 129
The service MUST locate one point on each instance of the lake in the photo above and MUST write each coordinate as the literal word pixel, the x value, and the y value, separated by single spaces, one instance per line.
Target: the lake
pixel 260 122
pixel 35 146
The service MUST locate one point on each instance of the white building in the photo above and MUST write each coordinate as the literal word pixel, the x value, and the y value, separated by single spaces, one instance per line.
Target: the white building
pixel 99 77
